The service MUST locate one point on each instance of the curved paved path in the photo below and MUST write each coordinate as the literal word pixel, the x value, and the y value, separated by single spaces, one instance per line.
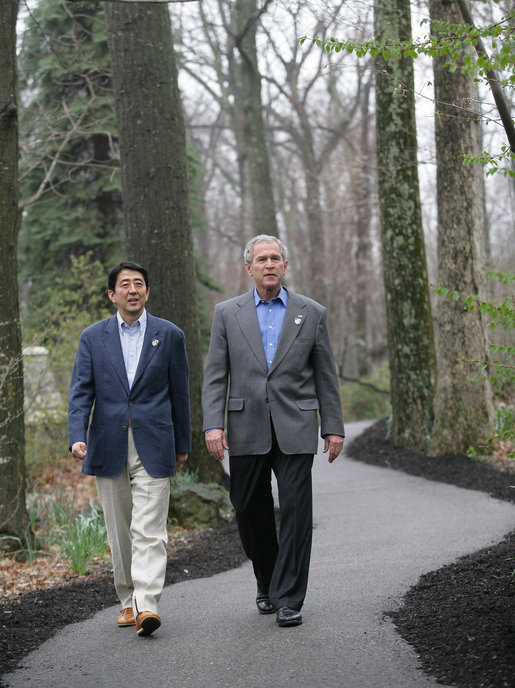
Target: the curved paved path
pixel 376 532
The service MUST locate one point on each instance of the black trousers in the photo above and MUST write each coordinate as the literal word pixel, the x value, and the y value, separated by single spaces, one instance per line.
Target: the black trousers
pixel 281 565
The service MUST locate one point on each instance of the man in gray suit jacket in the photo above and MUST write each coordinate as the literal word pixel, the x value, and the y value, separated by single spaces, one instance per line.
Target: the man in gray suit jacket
pixel 271 367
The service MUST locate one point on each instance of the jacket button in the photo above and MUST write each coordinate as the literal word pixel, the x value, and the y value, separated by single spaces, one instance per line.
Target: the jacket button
pixel 124 427
pixel 130 403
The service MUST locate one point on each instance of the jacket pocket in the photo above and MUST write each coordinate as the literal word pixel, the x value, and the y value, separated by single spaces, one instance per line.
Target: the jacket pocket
pixel 235 404
pixel 307 404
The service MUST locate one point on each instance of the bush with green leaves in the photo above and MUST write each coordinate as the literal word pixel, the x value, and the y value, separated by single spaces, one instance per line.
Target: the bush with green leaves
pixel 50 517
pixel 184 477
pixel 499 369
pixel 82 539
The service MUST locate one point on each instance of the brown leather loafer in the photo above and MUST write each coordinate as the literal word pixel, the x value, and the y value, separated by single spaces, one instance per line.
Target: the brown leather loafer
pixel 147 623
pixel 126 617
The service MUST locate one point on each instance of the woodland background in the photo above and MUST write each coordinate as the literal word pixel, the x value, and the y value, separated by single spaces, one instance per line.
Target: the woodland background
pixel 172 133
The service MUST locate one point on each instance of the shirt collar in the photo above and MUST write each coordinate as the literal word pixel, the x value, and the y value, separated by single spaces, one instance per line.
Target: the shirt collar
pixel 142 320
pixel 281 296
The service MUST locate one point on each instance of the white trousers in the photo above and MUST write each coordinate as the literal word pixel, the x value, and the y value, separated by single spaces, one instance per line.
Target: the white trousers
pixel 135 509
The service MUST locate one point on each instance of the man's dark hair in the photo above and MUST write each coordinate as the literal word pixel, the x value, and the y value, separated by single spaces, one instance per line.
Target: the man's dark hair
pixel 126 265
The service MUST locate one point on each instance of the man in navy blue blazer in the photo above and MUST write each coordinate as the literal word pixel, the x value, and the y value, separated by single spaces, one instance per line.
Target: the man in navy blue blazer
pixel 131 370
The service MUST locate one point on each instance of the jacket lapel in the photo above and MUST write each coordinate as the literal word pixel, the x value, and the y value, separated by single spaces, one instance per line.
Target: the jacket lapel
pixel 111 339
pixel 247 319
pixel 294 319
pixel 151 343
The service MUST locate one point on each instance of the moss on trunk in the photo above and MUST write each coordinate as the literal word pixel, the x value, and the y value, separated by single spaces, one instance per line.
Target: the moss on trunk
pixel 410 331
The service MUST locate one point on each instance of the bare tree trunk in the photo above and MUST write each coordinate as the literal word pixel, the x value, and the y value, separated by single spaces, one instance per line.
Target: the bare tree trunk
pixel 13 512
pixel 246 226
pixel 315 222
pixel 155 182
pixel 316 278
pixel 463 410
pixel 362 189
pixel 410 331
pixel 261 191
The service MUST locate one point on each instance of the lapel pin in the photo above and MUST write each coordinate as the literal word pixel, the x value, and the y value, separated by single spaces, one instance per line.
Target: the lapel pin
pixel 298 319
pixel 155 342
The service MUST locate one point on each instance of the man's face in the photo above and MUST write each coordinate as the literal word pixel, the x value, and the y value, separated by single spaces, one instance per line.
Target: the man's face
pixel 130 294
pixel 267 268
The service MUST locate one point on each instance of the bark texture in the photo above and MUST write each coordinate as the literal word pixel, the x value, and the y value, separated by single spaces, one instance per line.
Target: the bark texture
pixel 463 410
pixel 361 184
pixel 245 15
pixel 409 324
pixel 13 513
pixel 155 182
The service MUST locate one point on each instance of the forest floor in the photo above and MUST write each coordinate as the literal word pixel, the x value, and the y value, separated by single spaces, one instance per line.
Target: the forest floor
pixel 459 619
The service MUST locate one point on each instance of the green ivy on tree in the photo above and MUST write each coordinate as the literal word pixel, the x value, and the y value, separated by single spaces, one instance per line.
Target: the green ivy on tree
pixel 499 370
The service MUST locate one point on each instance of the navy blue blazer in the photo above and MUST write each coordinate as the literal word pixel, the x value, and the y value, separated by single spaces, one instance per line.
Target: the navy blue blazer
pixel 156 407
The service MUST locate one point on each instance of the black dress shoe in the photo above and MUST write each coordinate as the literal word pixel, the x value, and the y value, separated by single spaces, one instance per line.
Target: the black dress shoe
pixel 288 617
pixel 264 605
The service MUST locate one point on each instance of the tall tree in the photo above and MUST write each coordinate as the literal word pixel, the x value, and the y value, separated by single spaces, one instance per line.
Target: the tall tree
pixel 13 512
pixel 349 237
pixel 216 127
pixel 70 192
pixel 409 323
pixel 463 411
pixel 315 132
pixel 155 181
pixel 247 85
pixel 362 191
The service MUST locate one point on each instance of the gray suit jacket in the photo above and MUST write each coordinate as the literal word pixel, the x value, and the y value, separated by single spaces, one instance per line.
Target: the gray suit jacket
pixel 301 383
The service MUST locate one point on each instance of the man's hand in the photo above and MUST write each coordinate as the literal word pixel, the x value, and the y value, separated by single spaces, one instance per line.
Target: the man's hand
pixel 216 443
pixel 79 450
pixel 333 444
pixel 181 458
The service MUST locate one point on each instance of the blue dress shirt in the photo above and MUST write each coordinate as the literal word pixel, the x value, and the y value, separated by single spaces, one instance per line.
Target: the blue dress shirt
pixel 270 316
pixel 131 339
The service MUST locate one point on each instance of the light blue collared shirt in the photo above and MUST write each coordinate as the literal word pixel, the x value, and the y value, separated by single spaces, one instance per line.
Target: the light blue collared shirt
pixel 270 316
pixel 131 339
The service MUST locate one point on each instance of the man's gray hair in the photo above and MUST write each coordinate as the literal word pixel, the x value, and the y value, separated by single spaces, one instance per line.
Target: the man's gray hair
pixel 264 239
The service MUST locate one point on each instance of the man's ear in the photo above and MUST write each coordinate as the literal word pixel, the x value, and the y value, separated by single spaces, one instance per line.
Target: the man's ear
pixel 248 268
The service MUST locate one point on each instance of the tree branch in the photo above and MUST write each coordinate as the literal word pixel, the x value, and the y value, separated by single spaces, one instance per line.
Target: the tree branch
pixel 500 100
pixel 56 158
pixel 344 378
pixel 170 2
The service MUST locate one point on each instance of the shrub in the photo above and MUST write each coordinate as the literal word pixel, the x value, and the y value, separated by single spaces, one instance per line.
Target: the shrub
pixel 82 539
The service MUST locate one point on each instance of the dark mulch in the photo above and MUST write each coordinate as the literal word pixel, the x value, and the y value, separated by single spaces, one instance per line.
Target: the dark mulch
pixel 459 619
pixel 374 447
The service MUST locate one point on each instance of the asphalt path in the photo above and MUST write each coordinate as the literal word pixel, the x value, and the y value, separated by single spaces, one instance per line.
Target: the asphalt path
pixel 376 532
